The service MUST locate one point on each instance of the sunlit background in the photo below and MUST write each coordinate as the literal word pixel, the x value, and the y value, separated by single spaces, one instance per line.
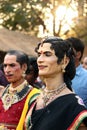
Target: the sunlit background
pixel 45 17
pixel 64 16
pixel 39 18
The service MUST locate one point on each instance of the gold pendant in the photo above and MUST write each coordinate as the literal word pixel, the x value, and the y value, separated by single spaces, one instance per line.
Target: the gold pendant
pixel 8 100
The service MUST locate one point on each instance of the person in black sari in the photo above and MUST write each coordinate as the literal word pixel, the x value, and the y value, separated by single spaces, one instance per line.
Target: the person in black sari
pixel 57 107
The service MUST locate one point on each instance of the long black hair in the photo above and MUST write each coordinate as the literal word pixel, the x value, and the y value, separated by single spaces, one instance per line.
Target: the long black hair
pixel 62 48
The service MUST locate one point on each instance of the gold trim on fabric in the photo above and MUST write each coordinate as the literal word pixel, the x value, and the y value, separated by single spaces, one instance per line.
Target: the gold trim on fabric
pixel 4 126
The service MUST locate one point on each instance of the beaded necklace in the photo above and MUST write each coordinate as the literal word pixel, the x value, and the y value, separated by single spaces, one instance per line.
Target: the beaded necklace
pixel 50 95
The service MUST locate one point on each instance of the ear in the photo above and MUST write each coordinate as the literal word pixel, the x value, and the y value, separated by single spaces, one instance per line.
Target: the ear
pixel 65 62
pixel 24 67
pixel 78 55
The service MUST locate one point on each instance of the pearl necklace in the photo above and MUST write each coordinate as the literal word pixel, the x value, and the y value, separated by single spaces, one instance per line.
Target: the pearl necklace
pixel 50 95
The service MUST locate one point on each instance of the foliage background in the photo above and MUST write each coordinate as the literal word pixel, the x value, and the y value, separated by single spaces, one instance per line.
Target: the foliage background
pixel 25 16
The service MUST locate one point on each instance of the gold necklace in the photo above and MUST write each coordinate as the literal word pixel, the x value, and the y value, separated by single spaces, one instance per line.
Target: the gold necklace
pixel 11 97
pixel 18 88
pixel 50 95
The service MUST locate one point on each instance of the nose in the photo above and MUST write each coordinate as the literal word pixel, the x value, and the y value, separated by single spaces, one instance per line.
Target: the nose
pixel 6 69
pixel 40 59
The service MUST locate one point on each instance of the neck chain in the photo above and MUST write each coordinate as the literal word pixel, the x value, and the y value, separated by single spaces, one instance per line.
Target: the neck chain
pixel 18 88
pixel 50 95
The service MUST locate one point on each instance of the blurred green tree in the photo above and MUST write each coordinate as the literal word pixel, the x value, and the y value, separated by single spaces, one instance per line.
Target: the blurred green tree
pixel 23 15
pixel 28 15
pixel 79 29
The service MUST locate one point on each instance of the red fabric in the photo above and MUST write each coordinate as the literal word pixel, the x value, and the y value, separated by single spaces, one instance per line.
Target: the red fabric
pixel 12 115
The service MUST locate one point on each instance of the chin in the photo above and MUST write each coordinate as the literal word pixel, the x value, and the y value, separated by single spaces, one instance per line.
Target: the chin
pixel 42 74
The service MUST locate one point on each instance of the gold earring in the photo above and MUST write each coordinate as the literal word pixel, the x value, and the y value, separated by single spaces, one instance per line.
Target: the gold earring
pixel 23 74
pixel 63 69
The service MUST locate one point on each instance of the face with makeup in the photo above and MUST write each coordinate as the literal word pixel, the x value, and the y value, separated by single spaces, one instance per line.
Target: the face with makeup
pixel 13 70
pixel 47 61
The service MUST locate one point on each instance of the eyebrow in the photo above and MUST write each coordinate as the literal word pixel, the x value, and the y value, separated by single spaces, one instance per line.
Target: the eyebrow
pixel 44 52
pixel 12 64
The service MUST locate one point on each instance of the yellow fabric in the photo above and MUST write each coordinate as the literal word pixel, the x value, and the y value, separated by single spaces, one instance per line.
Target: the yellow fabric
pixel 22 119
